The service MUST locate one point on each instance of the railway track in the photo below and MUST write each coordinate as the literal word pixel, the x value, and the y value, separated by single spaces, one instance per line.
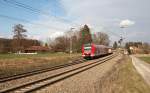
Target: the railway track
pixel 45 81
pixel 22 75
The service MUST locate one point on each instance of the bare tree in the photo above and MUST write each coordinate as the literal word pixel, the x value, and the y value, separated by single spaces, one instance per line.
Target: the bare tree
pixel 19 32
pixel 18 37
pixel 5 45
pixel 146 48
pixel 115 45
pixel 101 38
pixel 60 44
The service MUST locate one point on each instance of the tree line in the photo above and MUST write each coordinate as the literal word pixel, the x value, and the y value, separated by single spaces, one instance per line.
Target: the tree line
pixel 144 47
pixel 70 40
pixel 75 40
pixel 19 42
pixel 11 45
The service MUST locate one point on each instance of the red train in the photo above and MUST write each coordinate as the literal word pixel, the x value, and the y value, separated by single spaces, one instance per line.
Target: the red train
pixel 93 50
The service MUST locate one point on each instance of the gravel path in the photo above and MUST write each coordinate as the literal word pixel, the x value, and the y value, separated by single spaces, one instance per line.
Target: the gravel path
pixel 142 67
pixel 84 82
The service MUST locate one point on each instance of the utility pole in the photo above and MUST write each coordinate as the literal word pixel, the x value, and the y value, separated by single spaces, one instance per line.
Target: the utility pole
pixel 71 40
pixel 121 38
pixel 120 41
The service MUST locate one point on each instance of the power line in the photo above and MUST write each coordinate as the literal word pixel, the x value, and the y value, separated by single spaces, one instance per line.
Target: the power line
pixel 35 10
pixel 120 37
pixel 112 32
pixel 109 31
pixel 26 21
pixel 25 6
pixel 13 18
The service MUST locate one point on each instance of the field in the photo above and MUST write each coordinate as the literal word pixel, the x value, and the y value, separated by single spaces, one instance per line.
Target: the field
pixel 146 59
pixel 11 64
pixel 123 78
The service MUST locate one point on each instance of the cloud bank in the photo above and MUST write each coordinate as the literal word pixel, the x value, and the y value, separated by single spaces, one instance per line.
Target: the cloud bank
pixel 126 23
pixel 98 14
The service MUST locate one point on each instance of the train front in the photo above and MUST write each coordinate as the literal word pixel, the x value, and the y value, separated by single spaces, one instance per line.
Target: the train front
pixel 88 50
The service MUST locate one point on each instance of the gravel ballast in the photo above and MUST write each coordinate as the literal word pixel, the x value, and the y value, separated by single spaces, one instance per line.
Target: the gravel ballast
pixel 83 82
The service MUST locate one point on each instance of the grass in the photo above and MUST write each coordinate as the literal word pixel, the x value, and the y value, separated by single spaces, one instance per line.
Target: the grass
pixel 146 59
pixel 17 56
pixel 123 78
pixel 11 64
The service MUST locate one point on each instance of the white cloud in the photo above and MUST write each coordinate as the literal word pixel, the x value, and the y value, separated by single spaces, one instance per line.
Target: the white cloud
pixel 126 23
pixel 50 28
pixel 56 34
pixel 4 35
pixel 95 13
pixel 1 36
pixel 85 12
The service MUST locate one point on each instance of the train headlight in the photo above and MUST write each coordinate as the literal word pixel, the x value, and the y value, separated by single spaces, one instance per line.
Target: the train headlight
pixel 92 55
pixel 83 55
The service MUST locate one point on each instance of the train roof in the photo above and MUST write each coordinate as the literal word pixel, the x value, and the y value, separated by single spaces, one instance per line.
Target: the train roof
pixel 89 44
pixel 100 45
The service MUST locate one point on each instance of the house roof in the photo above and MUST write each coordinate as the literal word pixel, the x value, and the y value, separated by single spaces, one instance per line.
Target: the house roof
pixel 38 48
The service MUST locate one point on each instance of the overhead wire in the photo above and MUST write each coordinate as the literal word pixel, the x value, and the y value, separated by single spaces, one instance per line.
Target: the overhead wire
pixel 25 6
pixel 26 21
pixel 109 31
pixel 35 10
pixel 112 32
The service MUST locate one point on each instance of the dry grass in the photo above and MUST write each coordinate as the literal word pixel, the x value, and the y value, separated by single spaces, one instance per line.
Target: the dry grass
pixel 123 78
pixel 12 64
pixel 146 59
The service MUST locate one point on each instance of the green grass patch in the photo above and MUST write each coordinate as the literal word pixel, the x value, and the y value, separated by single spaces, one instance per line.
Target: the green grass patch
pixel 18 56
pixel 11 64
pixel 146 59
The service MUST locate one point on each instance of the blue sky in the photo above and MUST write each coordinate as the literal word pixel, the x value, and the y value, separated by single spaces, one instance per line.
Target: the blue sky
pixel 100 15
pixel 54 9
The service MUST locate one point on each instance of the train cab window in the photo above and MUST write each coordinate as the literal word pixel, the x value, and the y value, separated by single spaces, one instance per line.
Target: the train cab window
pixel 87 48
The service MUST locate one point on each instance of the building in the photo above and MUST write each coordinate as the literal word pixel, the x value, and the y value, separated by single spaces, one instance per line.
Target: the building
pixel 34 49
pixel 136 50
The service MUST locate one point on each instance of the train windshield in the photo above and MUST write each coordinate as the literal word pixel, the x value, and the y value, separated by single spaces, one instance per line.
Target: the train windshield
pixel 87 47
